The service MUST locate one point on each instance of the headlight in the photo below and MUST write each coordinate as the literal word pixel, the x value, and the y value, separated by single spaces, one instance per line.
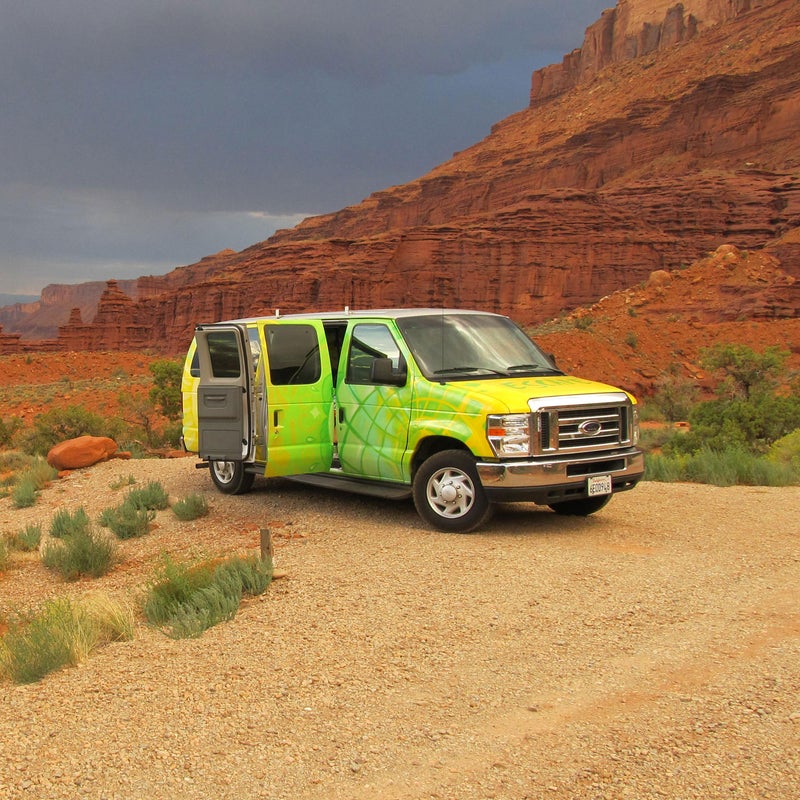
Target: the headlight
pixel 635 426
pixel 509 434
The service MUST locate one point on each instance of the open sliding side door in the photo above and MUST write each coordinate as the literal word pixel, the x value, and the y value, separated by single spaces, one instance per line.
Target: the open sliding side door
pixel 223 395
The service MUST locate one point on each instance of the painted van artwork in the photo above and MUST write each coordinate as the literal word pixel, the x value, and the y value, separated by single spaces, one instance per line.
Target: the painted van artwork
pixel 455 409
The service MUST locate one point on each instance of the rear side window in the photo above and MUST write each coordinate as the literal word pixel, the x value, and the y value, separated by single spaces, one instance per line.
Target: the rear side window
pixel 293 352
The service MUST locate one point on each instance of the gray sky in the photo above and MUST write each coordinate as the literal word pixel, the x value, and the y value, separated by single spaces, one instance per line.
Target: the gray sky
pixel 141 135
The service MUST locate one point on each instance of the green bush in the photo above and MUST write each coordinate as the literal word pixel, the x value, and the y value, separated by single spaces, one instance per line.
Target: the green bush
pixel 127 521
pixel 8 430
pixel 24 494
pixel 65 522
pixel 191 507
pixel 787 450
pixel 166 391
pixel 675 395
pixel 60 424
pixel 28 539
pixel 752 424
pixel 83 553
pixel 152 497
pixel 729 467
pixel 61 633
pixel 744 372
pixel 186 599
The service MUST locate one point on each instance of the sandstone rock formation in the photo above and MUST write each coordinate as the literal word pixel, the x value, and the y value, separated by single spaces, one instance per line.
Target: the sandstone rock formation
pixel 673 130
pixel 83 451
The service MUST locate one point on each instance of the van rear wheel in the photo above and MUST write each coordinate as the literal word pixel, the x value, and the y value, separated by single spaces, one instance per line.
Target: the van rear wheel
pixel 230 477
pixel 448 493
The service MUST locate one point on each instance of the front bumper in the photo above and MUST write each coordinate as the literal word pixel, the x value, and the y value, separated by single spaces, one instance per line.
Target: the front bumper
pixel 555 480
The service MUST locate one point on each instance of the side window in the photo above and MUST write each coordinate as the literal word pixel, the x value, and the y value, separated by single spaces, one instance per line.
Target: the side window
pixel 293 352
pixel 194 367
pixel 223 350
pixel 369 342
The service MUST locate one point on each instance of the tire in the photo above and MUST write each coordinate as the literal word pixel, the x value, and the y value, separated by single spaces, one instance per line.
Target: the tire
pixel 230 477
pixel 582 507
pixel 448 493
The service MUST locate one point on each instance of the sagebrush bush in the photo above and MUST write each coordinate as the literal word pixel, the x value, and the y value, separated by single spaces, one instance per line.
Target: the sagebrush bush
pixel 65 522
pixel 191 507
pixel 28 539
pixel 127 521
pixel 24 494
pixel 729 467
pixel 35 475
pixel 186 599
pixel 61 633
pixel 152 497
pixel 83 553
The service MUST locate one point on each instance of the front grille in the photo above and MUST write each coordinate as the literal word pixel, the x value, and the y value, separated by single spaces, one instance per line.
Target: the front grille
pixel 581 423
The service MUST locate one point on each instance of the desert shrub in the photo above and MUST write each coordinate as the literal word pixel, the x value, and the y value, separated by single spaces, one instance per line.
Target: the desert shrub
pixel 166 391
pixel 730 467
pixel 59 424
pixel 253 573
pixel 8 430
pixel 674 395
pixel 120 483
pixel 186 599
pixel 747 424
pixel 61 633
pixel 34 476
pixel 24 494
pixel 28 539
pixel 5 554
pixel 65 522
pixel 191 507
pixel 744 372
pixel 126 521
pixel 786 450
pixel 152 497
pixel 664 469
pixel 84 553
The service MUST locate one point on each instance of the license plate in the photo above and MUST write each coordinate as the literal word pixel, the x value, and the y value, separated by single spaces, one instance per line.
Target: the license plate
pixel 598 484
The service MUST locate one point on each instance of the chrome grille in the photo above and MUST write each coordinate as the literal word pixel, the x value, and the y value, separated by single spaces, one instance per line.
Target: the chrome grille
pixel 581 423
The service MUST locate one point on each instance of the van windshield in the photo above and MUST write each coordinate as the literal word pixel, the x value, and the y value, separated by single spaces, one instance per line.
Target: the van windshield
pixel 469 346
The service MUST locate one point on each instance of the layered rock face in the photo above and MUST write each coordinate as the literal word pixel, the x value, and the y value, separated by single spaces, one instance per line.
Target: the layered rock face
pixel 673 130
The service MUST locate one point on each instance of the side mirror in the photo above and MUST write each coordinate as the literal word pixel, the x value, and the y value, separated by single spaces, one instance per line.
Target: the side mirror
pixel 381 372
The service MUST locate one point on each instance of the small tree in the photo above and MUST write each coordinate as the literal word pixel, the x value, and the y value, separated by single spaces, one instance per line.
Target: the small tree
pixel 745 373
pixel 166 391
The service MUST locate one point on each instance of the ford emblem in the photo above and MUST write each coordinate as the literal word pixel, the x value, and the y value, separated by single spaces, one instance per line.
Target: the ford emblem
pixel 590 427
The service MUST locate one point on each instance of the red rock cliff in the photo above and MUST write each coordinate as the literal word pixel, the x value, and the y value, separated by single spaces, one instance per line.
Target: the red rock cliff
pixel 676 132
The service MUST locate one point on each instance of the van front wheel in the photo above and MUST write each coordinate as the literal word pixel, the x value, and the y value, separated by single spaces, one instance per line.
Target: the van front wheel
pixel 230 477
pixel 448 493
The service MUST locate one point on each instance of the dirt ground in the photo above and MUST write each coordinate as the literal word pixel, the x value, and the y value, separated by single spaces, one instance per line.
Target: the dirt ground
pixel 650 651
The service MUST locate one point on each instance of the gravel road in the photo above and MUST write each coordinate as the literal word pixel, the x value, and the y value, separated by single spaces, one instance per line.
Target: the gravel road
pixel 650 651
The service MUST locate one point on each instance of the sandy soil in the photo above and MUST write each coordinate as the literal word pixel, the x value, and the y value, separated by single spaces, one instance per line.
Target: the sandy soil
pixel 650 651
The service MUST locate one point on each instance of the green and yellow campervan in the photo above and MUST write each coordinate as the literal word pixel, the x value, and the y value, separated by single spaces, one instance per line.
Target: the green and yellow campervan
pixel 456 409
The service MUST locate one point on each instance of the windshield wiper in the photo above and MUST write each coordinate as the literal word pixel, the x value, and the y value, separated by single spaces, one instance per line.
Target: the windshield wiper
pixel 458 370
pixel 535 368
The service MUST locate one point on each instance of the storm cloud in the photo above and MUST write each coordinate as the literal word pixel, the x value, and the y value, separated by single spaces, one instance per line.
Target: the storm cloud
pixel 143 135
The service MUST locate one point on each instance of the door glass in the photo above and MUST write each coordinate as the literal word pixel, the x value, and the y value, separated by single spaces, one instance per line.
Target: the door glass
pixel 293 352
pixel 370 341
